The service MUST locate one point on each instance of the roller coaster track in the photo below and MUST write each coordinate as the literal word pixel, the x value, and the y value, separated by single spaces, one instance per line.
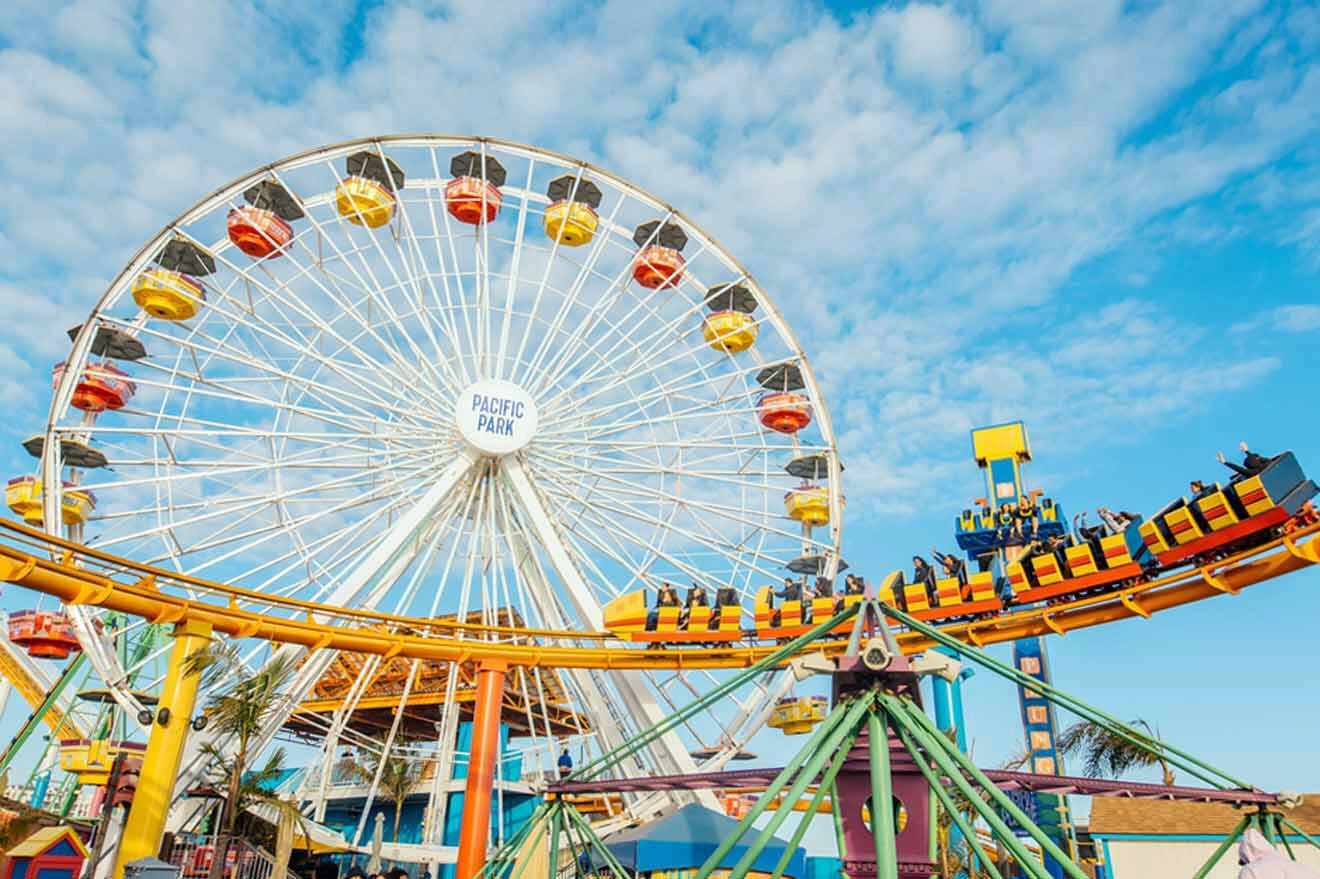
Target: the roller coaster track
pixel 82 575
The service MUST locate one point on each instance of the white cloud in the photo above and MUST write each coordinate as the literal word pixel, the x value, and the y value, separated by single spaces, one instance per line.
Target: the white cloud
pixel 913 185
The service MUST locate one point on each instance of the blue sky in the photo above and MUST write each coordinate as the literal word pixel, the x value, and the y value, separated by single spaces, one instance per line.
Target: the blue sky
pixel 1101 218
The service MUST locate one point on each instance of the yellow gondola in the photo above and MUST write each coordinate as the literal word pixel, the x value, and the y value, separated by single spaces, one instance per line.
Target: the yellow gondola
pixel 808 504
pixel 91 760
pixel 366 197
pixel 730 331
pixel 24 497
pixel 571 223
pixel 168 295
pixel 795 716
pixel 364 202
pixel 571 218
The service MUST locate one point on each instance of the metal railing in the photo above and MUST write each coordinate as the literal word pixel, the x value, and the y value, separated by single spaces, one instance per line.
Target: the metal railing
pixel 194 855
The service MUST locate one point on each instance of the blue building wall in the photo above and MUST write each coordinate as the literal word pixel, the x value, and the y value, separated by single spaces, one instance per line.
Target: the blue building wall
pixel 345 814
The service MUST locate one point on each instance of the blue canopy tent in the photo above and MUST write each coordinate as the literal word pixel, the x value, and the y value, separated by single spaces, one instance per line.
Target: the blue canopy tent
pixel 683 841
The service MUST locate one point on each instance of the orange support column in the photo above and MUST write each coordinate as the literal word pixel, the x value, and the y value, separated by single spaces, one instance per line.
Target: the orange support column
pixel 474 832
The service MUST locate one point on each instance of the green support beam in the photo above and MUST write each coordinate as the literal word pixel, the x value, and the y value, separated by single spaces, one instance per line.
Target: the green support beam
pixel 655 731
pixel 1223 847
pixel 809 772
pixel 938 747
pixel 1000 799
pixel 781 780
pixel 883 827
pixel 25 731
pixel 1184 761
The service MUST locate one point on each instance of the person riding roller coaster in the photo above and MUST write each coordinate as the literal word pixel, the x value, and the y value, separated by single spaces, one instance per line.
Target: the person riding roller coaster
pixel 854 585
pixel 923 572
pixel 1252 463
pixel 1118 522
pixel 665 597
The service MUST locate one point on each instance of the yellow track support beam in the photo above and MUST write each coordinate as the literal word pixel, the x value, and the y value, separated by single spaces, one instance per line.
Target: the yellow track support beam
pixel 33 691
pixel 160 766
pixel 71 579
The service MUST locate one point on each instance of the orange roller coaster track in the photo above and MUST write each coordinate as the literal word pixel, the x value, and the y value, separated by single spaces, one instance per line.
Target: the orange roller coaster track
pixel 81 575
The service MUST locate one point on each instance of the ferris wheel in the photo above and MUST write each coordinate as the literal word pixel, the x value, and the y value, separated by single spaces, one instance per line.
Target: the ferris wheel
pixel 444 377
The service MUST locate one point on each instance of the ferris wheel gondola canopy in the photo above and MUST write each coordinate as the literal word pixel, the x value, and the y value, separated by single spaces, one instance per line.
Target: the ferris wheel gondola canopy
pixel 474 164
pixel 72 452
pixel 369 165
pixel 110 342
pixel 781 377
pixel 811 467
pixel 270 195
pixel 669 235
pixel 731 297
pixel 181 255
pixel 572 188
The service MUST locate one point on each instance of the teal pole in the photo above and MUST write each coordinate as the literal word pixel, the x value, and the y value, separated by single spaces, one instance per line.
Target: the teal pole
pixel 938 748
pixel 1223 847
pixel 1000 798
pixel 882 799
pixel 804 778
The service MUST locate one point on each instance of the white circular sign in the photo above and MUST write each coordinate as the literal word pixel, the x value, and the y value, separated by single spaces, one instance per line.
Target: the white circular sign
pixel 496 417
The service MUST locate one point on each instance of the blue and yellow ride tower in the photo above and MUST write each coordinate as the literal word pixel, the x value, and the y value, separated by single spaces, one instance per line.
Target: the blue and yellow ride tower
pixel 993 534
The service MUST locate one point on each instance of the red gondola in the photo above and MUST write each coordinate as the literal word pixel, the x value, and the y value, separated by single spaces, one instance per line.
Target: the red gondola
pixel 103 386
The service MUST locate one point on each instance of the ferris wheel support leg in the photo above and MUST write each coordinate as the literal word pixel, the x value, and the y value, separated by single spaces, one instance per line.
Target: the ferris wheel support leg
pixel 474 832
pixel 160 764
pixel 631 686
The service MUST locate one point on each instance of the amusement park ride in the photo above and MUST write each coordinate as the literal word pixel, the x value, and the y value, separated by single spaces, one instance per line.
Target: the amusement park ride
pixel 438 417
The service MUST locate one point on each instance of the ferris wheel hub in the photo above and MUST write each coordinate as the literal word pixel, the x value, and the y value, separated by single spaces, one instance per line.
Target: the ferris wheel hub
pixel 496 417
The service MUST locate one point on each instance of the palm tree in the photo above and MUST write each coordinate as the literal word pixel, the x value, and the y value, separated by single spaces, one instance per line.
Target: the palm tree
pixel 397 779
pixel 237 709
pixel 1106 753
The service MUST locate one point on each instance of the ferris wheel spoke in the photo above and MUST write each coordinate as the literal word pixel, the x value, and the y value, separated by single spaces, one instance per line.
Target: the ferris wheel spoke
pixel 445 358
pixel 220 391
pixel 453 298
pixel 731 552
pixel 222 506
pixel 266 371
pixel 369 286
pixel 681 383
pixel 606 468
pixel 592 527
pixel 623 340
pixel 285 294
pixel 415 272
pixel 598 245
pixel 630 686
pixel 268 532
pixel 515 264
pixel 572 356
